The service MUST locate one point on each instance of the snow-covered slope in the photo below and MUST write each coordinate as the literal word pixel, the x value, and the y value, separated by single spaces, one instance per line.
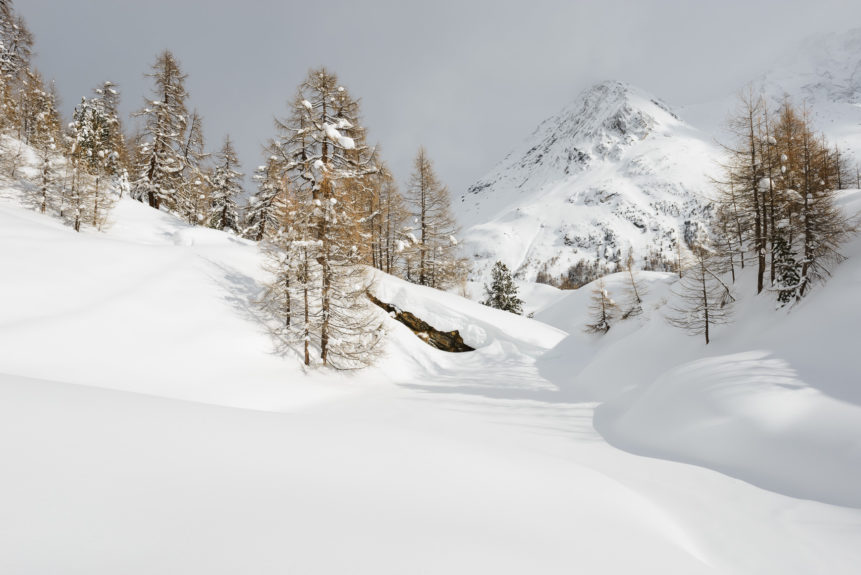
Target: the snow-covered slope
pixel 615 169
pixel 146 426
pixel 774 400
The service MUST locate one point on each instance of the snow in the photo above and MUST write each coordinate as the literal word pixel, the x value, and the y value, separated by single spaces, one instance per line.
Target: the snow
pixel 333 134
pixel 147 425
pixel 612 171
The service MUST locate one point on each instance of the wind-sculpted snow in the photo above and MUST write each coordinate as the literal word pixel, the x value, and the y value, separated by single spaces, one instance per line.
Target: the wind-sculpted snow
pixel 614 170
pixel 149 425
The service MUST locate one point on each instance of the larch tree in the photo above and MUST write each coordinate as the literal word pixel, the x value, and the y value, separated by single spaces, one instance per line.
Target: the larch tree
pixel 161 168
pixel 46 140
pixel 436 262
pixel 633 288
pixel 821 226
pixel 16 50
pixel 321 147
pixel 192 197
pixel 703 298
pixel 226 188
pixel 391 225
pixel 602 309
pixel 777 200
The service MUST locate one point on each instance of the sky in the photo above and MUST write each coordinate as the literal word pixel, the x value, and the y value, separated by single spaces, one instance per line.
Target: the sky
pixel 467 79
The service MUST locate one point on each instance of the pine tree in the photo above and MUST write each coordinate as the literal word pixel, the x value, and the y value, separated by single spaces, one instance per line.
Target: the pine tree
pixel 602 309
pixel 160 173
pixel 436 263
pixel 226 188
pixel 502 291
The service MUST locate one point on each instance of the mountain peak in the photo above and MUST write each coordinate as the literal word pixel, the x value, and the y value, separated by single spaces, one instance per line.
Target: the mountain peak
pixel 613 110
pixel 613 170
pixel 599 125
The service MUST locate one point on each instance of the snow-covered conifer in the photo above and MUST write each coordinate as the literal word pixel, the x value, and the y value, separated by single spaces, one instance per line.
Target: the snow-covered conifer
pixel 160 171
pixel 502 291
pixel 262 213
pixel 226 188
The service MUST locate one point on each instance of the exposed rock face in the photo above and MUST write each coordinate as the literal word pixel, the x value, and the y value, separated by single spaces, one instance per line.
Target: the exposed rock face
pixel 443 340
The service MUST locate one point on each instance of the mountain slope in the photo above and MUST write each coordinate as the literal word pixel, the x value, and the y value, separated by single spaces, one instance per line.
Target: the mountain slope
pixel 614 170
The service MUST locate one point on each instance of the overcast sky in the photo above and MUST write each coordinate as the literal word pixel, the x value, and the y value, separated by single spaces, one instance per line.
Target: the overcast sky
pixel 467 79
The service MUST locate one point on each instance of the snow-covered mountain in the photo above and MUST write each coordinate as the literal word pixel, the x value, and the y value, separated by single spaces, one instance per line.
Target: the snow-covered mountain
pixel 617 168
pixel 614 170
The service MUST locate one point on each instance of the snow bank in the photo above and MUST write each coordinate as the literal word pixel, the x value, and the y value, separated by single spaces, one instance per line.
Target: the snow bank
pixel 749 415
pixel 775 401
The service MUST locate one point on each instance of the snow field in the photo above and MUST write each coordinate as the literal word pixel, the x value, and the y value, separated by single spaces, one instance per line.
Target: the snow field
pixel 147 426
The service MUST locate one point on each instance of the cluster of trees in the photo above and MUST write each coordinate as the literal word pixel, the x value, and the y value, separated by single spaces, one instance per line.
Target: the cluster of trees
pixel 83 166
pixel 586 271
pixel 776 209
pixel 328 209
pixel 173 171
pixel 79 166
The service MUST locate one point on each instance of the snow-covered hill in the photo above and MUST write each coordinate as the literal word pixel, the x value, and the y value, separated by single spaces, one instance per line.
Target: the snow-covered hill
pixel 614 170
pixel 146 425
